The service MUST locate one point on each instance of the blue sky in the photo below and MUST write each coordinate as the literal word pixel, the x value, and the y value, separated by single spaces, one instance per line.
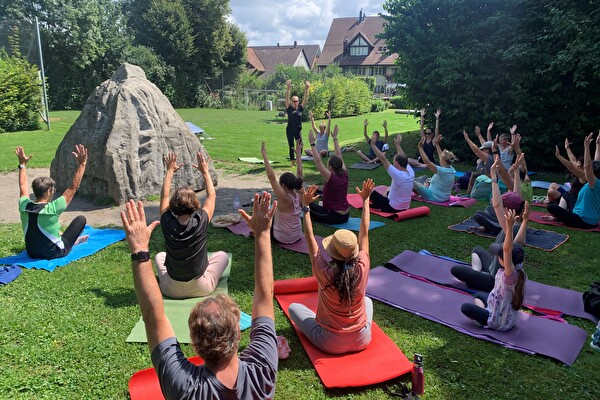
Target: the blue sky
pixel 267 22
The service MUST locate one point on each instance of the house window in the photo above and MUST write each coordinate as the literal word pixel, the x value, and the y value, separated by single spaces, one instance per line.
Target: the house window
pixel 359 47
pixel 380 70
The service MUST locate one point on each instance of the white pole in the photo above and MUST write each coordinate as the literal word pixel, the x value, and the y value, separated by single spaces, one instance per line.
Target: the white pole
pixel 39 41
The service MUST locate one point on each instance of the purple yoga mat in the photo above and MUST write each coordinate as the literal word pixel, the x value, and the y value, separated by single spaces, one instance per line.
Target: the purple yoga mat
pixel 531 334
pixel 537 294
pixel 454 201
pixel 300 246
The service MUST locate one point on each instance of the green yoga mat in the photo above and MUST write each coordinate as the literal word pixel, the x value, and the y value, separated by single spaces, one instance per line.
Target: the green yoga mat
pixel 178 311
pixel 254 160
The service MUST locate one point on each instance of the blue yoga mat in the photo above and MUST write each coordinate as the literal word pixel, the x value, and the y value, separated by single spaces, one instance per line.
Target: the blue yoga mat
pixel 353 224
pixel 99 239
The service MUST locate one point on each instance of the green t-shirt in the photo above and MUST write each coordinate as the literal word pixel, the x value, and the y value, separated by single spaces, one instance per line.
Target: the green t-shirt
pixel 47 217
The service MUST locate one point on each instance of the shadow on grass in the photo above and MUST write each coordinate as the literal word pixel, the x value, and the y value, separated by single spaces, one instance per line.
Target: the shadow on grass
pixel 116 299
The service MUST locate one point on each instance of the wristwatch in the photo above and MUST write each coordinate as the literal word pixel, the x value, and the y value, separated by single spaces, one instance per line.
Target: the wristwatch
pixel 21 166
pixel 312 144
pixel 141 256
pixel 305 209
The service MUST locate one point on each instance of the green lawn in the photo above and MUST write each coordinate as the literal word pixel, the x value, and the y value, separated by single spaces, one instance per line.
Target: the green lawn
pixel 63 333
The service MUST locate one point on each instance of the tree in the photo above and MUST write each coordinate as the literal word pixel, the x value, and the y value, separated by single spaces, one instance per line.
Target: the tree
pixel 509 61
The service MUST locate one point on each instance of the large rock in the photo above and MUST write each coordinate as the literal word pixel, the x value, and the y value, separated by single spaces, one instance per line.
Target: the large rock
pixel 128 125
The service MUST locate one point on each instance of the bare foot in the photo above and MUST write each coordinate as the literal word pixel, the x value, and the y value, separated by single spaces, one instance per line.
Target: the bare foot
pixel 82 239
pixel 548 218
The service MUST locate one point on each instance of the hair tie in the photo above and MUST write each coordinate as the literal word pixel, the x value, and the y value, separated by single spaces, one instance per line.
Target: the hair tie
pixel 347 267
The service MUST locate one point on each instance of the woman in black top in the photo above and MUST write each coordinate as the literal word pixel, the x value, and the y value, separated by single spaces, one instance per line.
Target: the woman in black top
pixel 294 111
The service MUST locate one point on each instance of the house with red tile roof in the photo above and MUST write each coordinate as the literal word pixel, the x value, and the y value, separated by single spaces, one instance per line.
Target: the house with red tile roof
pixel 353 45
pixel 262 60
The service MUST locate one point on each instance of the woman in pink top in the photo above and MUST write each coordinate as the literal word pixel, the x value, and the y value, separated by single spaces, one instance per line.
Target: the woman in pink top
pixel 342 323
pixel 335 208
pixel 287 227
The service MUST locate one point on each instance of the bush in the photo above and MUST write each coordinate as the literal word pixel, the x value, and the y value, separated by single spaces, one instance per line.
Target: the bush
pixel 378 105
pixel 342 95
pixel 398 102
pixel 20 95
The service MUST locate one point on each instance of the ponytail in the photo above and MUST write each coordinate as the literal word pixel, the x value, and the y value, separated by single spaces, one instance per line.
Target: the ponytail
pixel 517 301
pixel 346 279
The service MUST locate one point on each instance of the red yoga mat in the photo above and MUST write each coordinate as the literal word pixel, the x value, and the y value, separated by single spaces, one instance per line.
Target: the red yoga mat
pixel 379 362
pixel 144 385
pixel 355 201
pixel 537 216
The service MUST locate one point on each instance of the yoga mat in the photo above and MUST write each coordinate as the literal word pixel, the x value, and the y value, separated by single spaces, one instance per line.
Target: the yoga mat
pixel 536 216
pixel 254 160
pixel 380 361
pixel 537 238
pixel 361 165
pixel 531 334
pixel 299 247
pixel 546 185
pixel 99 239
pixel 355 201
pixel 537 294
pixel 9 274
pixel 455 201
pixel 178 312
pixel 144 385
pixel 353 224
pixel 459 174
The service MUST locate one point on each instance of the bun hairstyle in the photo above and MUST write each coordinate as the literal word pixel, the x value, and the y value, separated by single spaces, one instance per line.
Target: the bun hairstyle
pixel 290 181
pixel 336 164
pixel 449 156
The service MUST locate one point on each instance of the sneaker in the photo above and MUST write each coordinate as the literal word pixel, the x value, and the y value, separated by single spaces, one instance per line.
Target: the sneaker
pixel 595 346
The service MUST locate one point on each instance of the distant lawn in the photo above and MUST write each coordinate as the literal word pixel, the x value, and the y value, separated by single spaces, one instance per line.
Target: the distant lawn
pixel 63 333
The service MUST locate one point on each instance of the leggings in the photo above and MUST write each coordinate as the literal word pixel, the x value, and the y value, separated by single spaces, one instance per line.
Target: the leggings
pixel 381 202
pixel 68 238
pixel 475 312
pixel 291 138
pixel 327 216
pixel 329 341
pixel 567 217
pixel 474 279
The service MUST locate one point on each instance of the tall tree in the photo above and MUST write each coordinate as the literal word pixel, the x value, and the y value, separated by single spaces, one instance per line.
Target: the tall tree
pixel 509 61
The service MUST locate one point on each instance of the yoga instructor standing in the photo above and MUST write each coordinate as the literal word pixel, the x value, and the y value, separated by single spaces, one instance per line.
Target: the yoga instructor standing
pixel 294 110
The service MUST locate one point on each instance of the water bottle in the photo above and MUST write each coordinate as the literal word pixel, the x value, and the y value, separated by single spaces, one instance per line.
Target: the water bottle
pixel 418 377
pixel 236 203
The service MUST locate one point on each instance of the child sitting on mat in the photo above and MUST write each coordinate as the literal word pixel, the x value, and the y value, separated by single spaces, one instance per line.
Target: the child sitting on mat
pixel 344 315
pixel 498 310
pixel 484 266
pixel 287 227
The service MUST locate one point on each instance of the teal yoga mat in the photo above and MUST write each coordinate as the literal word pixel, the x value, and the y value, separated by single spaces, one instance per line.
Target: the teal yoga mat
pixel 178 311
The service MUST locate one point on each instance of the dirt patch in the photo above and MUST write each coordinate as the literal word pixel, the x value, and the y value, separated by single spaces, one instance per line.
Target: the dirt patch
pixel 99 215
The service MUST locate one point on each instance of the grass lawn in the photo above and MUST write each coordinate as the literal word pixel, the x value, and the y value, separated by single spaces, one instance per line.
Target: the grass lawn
pixel 63 333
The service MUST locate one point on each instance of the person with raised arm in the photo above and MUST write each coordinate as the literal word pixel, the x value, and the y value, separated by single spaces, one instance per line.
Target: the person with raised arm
pixel 428 135
pixel 381 144
pixel 213 323
pixel 294 110
pixel 287 227
pixel 344 316
pixel 403 178
pixel 440 186
pixel 39 218
pixel 322 140
pixel 586 212
pixel 498 310
pixel 184 269
pixel 556 193
pixel 335 208
pixel 484 265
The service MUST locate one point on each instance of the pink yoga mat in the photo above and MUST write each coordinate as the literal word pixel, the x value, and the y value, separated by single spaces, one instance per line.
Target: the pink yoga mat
pixel 380 361
pixel 454 201
pixel 355 201
pixel 536 216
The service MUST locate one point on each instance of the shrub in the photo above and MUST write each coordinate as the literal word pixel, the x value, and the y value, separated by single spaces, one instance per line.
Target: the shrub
pixel 398 102
pixel 378 105
pixel 342 95
pixel 20 95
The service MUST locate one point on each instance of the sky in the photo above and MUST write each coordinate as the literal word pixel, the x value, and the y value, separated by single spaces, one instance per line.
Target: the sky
pixel 268 22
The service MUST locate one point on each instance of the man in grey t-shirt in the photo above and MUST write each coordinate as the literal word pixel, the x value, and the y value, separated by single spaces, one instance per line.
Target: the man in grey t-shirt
pixel 214 323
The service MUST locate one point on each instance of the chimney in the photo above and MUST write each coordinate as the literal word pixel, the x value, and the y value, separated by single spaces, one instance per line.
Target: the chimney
pixel 360 15
pixel 295 44
pixel 277 44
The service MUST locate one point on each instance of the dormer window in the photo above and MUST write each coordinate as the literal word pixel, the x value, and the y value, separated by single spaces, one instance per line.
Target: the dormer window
pixel 359 47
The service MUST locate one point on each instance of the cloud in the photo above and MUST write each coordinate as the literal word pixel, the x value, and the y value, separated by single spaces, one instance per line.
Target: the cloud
pixel 267 23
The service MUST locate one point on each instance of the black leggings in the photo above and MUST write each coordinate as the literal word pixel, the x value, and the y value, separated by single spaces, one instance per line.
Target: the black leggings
pixel 475 312
pixel 567 217
pixel 476 280
pixel 381 202
pixel 51 250
pixel 291 138
pixel 326 216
